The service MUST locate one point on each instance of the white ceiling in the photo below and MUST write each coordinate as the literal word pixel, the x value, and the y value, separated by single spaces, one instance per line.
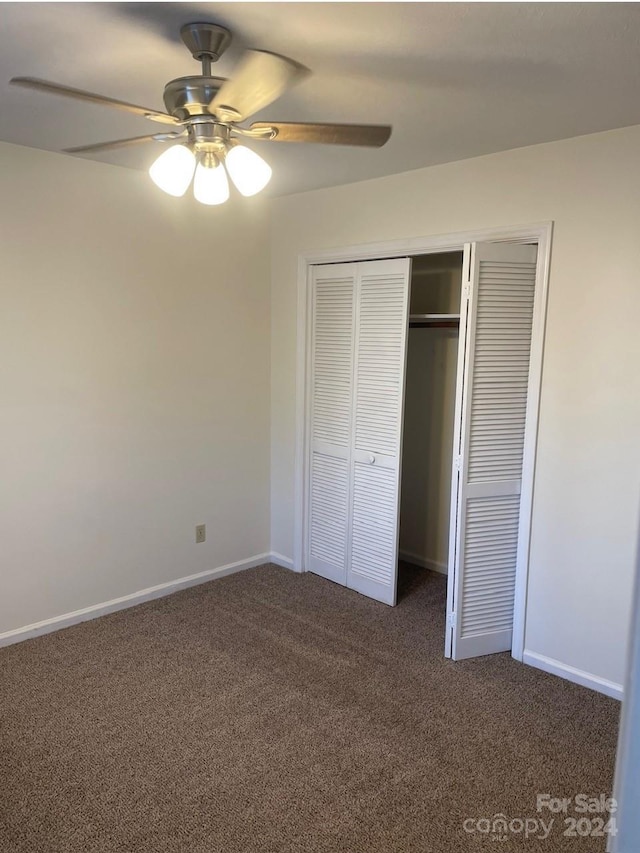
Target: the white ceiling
pixel 455 80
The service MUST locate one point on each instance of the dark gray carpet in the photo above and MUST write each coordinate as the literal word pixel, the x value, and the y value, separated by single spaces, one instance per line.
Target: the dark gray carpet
pixel 274 712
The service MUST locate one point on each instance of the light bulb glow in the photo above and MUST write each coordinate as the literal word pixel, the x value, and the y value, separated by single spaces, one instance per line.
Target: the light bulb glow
pixel 210 184
pixel 248 171
pixel 173 170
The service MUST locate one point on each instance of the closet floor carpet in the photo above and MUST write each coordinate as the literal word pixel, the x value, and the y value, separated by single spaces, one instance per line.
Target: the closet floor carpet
pixel 269 711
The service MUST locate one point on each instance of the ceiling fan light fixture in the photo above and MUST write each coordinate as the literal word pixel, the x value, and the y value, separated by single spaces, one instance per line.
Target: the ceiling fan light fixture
pixel 248 171
pixel 210 184
pixel 205 111
pixel 173 170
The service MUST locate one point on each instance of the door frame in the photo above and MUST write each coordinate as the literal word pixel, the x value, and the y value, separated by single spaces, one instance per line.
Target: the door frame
pixel 539 233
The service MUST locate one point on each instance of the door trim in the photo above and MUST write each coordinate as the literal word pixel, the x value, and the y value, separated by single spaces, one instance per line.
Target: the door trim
pixel 539 233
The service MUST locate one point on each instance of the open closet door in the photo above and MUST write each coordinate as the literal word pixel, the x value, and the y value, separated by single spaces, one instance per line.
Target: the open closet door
pixel 331 403
pixel 382 307
pixel 492 430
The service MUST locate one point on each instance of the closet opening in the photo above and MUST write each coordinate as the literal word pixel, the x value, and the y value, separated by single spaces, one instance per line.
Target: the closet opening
pixel 429 424
pixel 418 379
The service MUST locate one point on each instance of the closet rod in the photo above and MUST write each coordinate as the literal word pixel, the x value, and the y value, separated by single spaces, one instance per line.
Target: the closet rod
pixel 438 321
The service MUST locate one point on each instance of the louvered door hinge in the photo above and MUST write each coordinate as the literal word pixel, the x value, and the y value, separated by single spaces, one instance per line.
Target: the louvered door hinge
pixel 451 619
pixel 457 463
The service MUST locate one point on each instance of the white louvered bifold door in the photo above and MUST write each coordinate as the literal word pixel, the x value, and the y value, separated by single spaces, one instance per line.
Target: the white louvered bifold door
pixel 494 410
pixel 331 402
pixel 382 300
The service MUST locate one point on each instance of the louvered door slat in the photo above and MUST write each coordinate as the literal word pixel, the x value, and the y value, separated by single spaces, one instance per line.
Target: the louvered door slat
pixel 333 318
pixel 494 413
pixel 381 326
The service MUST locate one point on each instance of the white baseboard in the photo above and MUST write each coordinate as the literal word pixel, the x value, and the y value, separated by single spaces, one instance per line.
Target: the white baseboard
pixel 281 560
pixel 423 562
pixel 67 619
pixel 578 676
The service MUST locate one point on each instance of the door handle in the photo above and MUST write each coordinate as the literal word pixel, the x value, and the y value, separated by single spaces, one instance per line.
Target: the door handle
pixel 372 458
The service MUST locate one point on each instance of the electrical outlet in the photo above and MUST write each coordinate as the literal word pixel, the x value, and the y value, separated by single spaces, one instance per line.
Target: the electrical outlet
pixel 201 532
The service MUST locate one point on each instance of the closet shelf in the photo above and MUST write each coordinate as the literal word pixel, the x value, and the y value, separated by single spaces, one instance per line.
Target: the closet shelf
pixel 446 321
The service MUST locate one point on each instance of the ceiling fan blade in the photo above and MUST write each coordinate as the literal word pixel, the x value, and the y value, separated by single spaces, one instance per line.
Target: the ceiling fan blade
pixel 260 79
pixel 373 135
pixel 81 95
pixel 122 143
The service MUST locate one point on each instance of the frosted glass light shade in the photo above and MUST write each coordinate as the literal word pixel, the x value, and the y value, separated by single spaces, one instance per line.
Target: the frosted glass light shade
pixel 210 185
pixel 248 171
pixel 173 170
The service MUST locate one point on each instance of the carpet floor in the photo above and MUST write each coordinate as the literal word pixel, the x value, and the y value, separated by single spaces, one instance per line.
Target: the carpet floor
pixel 269 712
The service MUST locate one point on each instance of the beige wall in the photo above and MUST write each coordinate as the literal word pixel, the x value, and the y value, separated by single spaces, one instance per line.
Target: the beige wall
pixel 134 368
pixel 430 387
pixel 588 463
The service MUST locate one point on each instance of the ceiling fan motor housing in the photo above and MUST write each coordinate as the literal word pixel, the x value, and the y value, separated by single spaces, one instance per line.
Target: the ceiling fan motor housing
pixel 190 96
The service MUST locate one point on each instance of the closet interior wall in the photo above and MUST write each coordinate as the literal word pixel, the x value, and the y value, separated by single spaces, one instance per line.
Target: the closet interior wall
pixel 432 355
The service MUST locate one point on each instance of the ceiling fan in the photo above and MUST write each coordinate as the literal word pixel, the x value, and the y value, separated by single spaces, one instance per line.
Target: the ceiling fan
pixel 205 112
